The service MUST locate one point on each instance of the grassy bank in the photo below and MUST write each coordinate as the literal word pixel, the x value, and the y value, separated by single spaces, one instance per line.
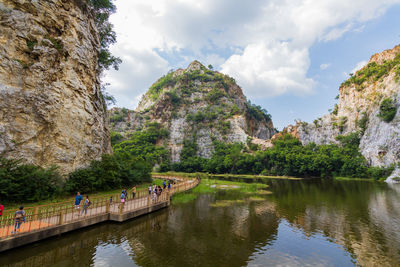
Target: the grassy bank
pixel 209 185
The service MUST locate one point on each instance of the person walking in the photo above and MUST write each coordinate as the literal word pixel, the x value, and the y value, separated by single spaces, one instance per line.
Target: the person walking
pixel 1 209
pixel 125 193
pixel 19 218
pixel 134 191
pixel 78 200
pixel 149 189
pixel 122 200
pixel 164 184
pixel 86 205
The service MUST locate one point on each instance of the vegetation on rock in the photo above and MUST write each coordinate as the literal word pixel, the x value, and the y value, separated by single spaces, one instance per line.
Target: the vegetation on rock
pixel 374 72
pixel 387 110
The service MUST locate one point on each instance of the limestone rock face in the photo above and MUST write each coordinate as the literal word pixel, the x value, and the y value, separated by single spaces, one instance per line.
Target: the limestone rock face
pixel 51 109
pixel 357 110
pixel 199 105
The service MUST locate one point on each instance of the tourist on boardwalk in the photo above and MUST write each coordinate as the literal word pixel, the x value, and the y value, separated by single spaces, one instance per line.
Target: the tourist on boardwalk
pixel 111 200
pixel 164 184
pixel 78 200
pixel 150 189
pixel 169 185
pixel 19 218
pixel 86 205
pixel 122 200
pixel 154 194
pixel 125 193
pixel 133 191
pixel 1 209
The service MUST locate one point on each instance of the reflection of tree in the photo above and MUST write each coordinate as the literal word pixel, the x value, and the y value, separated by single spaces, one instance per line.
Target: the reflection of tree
pixel 357 215
pixel 363 217
pixel 200 235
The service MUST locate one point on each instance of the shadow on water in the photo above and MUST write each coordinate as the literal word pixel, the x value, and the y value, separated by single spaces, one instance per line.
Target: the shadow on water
pixel 307 222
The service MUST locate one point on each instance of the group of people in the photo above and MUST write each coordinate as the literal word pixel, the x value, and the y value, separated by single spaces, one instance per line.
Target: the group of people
pixel 124 195
pixel 156 190
pixel 78 201
pixel 19 216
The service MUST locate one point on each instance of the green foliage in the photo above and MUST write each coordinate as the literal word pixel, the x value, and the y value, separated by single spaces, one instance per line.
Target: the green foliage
pixel 202 116
pixel 102 10
pixel 287 157
pixel 174 98
pixel 57 44
pixel 142 144
pixel 234 110
pixel 256 112
pixel 224 127
pixel 387 110
pixel 26 182
pixel 111 172
pixel 363 122
pixel 116 138
pixel 166 80
pixel 335 109
pixel 31 44
pixel 215 94
pixel 342 123
pixel 373 72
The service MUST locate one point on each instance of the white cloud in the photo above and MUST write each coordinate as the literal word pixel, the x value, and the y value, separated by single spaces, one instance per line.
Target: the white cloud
pixel 358 66
pixel 270 69
pixel 263 45
pixel 324 66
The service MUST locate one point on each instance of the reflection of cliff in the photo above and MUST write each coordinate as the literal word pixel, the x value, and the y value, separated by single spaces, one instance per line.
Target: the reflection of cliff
pixel 361 217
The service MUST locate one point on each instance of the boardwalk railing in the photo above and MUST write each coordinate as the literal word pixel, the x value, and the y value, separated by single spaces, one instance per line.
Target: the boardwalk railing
pixel 45 216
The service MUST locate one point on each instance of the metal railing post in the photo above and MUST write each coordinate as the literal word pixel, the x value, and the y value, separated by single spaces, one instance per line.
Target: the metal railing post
pixel 61 221
pixel 107 206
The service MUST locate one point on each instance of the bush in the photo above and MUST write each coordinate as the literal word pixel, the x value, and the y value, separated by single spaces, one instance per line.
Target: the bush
pixel 387 110
pixel 111 172
pixel 26 182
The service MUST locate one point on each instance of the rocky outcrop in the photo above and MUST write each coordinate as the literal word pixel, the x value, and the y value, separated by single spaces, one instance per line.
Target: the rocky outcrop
pixel 359 108
pixel 51 108
pixel 199 105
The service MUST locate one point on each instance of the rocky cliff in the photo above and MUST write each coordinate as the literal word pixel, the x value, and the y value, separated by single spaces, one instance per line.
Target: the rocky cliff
pixel 368 104
pixel 51 108
pixel 199 105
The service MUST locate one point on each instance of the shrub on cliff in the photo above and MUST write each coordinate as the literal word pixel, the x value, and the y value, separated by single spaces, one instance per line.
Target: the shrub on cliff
pixel 387 110
pixel 27 183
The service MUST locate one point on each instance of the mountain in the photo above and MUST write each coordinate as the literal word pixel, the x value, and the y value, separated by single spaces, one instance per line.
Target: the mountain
pixel 51 108
pixel 198 105
pixel 368 105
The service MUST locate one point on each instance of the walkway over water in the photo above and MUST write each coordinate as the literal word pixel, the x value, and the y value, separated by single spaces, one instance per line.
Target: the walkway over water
pixel 49 220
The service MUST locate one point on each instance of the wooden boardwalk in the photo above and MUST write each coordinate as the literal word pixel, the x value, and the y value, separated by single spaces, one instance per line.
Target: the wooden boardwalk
pixel 49 220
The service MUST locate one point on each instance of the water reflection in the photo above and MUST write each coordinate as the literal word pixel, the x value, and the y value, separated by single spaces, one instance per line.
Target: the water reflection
pixel 317 222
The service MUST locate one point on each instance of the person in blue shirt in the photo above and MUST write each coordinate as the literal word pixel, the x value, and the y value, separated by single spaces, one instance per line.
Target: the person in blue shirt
pixel 164 184
pixel 78 200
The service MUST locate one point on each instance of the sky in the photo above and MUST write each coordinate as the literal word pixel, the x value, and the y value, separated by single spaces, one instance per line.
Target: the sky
pixel 288 56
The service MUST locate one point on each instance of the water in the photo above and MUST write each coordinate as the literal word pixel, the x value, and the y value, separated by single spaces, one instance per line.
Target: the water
pixel 302 223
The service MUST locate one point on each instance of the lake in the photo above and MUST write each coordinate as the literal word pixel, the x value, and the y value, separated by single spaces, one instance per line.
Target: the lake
pixel 295 223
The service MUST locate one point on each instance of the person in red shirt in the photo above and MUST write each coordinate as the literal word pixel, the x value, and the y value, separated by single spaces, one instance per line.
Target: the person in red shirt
pixel 1 209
